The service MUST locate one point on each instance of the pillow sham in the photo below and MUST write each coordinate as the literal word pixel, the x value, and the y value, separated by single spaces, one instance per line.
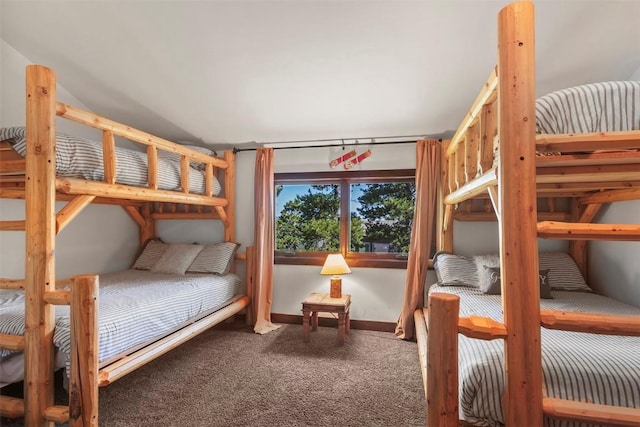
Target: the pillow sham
pixel 564 273
pixel 455 270
pixel 150 254
pixel 216 258
pixel 167 155
pixel 492 285
pixel 177 258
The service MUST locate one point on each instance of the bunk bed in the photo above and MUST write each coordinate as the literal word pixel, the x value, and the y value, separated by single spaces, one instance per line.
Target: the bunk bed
pixel 547 185
pixel 164 180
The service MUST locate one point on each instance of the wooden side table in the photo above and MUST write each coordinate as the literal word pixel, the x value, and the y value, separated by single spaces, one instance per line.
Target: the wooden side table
pixel 315 303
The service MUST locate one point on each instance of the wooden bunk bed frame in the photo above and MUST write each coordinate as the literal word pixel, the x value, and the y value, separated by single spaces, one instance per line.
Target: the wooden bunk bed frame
pixel 504 114
pixel 33 178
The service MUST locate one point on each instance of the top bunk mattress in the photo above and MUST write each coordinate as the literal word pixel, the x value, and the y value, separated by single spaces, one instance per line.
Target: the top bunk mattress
pixel 78 157
pixel 595 107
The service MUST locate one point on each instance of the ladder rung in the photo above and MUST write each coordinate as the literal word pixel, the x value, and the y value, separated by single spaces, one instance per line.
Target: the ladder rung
pixel 12 225
pixel 11 284
pixel 19 283
pixel 57 413
pixel 592 323
pixel 12 342
pixel 587 231
pixel 591 412
pixel 11 407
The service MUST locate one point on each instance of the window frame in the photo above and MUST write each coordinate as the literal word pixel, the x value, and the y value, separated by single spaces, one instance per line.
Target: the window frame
pixel 343 179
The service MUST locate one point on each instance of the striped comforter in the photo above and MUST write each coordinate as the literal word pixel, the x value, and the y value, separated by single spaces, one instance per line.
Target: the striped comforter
pixel 595 107
pixel 587 367
pixel 82 158
pixel 135 307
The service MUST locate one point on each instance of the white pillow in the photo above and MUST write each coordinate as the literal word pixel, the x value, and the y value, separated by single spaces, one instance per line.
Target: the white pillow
pixel 216 258
pixel 177 258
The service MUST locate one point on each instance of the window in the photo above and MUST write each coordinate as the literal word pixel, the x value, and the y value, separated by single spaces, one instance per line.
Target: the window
pixel 365 215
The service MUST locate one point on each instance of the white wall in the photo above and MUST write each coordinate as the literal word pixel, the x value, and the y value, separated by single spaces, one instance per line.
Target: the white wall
pixel 614 267
pixel 100 239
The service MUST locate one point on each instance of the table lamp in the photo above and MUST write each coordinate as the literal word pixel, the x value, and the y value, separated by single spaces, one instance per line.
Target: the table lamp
pixel 335 265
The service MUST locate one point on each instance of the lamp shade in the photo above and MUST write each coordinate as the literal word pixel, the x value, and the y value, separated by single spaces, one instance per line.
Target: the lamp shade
pixel 335 265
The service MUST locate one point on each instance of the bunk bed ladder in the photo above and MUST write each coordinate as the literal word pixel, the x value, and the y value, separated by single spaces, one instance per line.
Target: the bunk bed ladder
pixel 579 233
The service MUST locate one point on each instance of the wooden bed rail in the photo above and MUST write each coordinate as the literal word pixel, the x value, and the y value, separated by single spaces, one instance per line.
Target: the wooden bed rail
pixel 591 412
pixel 111 127
pixel 591 323
pixel 12 170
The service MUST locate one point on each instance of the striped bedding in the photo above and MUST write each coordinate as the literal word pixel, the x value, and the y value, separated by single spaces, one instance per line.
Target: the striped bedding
pixel 595 107
pixel 135 307
pixel 588 367
pixel 82 158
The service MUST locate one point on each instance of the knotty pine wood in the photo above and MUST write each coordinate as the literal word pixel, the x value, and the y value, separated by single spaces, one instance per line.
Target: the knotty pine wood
pixel 442 360
pixel 591 412
pixel 591 323
pixel 518 240
pixel 83 376
pixel 40 241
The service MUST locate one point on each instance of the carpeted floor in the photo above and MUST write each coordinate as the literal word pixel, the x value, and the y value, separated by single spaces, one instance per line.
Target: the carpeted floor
pixel 229 376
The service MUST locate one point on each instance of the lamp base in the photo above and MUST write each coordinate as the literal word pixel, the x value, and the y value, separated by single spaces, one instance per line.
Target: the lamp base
pixel 336 287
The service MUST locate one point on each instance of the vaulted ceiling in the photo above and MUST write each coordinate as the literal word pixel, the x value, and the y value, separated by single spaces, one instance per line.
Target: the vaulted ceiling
pixel 239 71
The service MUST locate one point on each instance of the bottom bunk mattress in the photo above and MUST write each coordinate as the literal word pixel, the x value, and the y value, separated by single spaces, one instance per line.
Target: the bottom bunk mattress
pixel 593 368
pixel 136 307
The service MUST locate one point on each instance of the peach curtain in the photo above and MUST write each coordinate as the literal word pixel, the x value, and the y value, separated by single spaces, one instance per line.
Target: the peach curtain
pixel 427 173
pixel 263 242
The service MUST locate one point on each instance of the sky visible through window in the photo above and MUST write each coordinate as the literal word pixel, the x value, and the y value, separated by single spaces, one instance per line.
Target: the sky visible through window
pixel 290 192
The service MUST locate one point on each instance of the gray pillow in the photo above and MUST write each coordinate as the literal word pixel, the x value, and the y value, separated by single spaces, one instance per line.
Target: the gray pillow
pixel 177 258
pixel 564 273
pixel 492 285
pixel 216 258
pixel 455 270
pixel 151 253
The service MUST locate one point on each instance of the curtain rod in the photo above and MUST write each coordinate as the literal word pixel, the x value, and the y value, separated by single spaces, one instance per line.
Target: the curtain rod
pixel 341 144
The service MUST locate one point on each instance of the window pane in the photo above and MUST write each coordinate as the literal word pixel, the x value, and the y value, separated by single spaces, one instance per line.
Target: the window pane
pixel 307 218
pixel 381 217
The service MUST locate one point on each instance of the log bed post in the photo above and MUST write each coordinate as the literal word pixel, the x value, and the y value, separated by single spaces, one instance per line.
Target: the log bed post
pixel 444 238
pixel 229 194
pixel 40 230
pixel 83 378
pixel 442 360
pixel 518 231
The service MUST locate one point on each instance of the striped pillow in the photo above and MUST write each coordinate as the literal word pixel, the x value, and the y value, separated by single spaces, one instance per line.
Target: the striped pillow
pixel 216 258
pixel 176 259
pixel 151 253
pixel 564 274
pixel 455 270
pixel 176 157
